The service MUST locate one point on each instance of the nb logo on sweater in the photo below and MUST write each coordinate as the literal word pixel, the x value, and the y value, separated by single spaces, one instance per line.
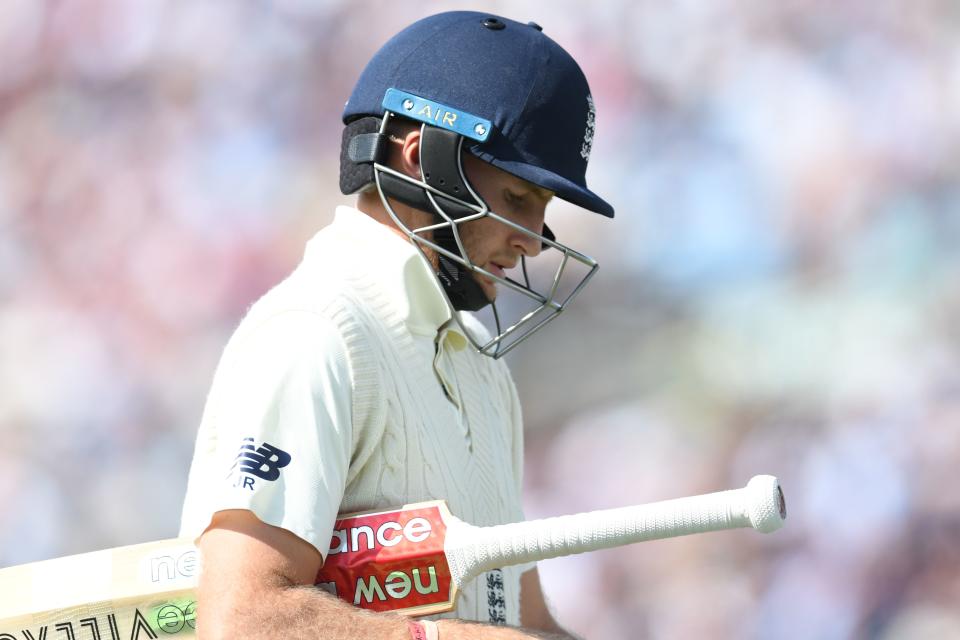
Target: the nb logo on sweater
pixel 252 462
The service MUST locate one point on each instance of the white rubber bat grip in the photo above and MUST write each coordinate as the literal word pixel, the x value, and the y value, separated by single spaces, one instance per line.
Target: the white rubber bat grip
pixel 472 550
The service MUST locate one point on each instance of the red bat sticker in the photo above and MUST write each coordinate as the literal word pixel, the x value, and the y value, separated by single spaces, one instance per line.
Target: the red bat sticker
pixel 391 560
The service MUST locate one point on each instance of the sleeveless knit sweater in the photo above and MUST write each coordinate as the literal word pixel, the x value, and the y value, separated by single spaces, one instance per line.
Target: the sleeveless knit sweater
pixel 428 417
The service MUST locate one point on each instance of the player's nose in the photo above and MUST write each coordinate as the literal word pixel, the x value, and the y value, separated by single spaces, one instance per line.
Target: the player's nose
pixel 526 244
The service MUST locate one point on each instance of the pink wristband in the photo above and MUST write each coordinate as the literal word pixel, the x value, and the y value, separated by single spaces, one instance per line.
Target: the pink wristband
pixel 423 630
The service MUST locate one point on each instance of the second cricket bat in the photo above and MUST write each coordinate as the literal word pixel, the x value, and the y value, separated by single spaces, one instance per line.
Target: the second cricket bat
pixel 410 560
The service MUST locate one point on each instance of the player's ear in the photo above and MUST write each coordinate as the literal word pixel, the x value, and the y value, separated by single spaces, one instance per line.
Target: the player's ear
pixel 410 153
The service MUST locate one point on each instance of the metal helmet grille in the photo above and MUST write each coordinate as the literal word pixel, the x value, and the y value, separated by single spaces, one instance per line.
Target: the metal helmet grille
pixel 548 301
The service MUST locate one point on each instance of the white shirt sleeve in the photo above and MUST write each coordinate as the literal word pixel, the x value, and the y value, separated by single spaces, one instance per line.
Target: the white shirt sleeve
pixel 276 432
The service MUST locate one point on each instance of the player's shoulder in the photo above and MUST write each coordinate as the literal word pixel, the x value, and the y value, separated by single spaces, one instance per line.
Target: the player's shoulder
pixel 291 316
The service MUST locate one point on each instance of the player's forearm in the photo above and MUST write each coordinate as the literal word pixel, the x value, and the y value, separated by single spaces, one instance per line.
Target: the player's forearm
pixel 463 630
pixel 308 613
pixel 298 612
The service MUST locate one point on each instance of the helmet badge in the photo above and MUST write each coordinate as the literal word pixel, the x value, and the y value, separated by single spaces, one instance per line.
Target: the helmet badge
pixel 591 126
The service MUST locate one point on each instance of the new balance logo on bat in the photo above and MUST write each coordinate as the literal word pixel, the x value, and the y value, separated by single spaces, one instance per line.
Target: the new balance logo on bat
pixel 262 462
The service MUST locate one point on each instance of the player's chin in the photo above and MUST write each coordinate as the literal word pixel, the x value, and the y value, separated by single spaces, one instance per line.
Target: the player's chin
pixel 487 284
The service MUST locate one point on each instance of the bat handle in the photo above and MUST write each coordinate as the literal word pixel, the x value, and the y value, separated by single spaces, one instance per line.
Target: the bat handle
pixel 472 550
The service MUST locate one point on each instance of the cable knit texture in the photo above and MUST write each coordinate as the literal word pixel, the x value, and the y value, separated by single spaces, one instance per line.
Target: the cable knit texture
pixel 413 442
pixel 430 418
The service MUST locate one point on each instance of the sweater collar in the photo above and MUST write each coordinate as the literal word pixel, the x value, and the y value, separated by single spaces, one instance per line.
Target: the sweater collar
pixel 409 278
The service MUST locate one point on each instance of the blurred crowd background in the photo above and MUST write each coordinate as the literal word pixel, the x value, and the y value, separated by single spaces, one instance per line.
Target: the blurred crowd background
pixel 779 292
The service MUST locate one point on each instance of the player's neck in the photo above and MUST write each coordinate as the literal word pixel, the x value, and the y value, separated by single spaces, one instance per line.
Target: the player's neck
pixel 369 203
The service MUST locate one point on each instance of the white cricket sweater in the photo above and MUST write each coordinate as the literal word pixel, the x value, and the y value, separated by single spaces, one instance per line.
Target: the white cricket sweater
pixel 350 369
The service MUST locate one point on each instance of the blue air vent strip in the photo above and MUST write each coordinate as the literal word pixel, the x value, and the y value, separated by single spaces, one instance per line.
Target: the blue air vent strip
pixel 437 114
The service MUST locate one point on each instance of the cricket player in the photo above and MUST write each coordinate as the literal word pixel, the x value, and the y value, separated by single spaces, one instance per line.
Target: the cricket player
pixel 363 380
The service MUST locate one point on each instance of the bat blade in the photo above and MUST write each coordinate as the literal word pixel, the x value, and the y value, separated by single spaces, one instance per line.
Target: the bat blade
pixel 138 591
pixel 138 617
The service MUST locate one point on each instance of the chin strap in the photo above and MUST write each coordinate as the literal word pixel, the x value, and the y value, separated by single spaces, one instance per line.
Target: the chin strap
pixel 440 152
pixel 464 292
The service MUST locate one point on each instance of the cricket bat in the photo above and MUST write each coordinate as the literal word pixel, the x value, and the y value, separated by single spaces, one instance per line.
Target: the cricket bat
pixel 410 560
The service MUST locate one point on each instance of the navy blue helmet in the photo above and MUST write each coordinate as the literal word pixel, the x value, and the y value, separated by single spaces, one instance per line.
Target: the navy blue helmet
pixel 502 91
